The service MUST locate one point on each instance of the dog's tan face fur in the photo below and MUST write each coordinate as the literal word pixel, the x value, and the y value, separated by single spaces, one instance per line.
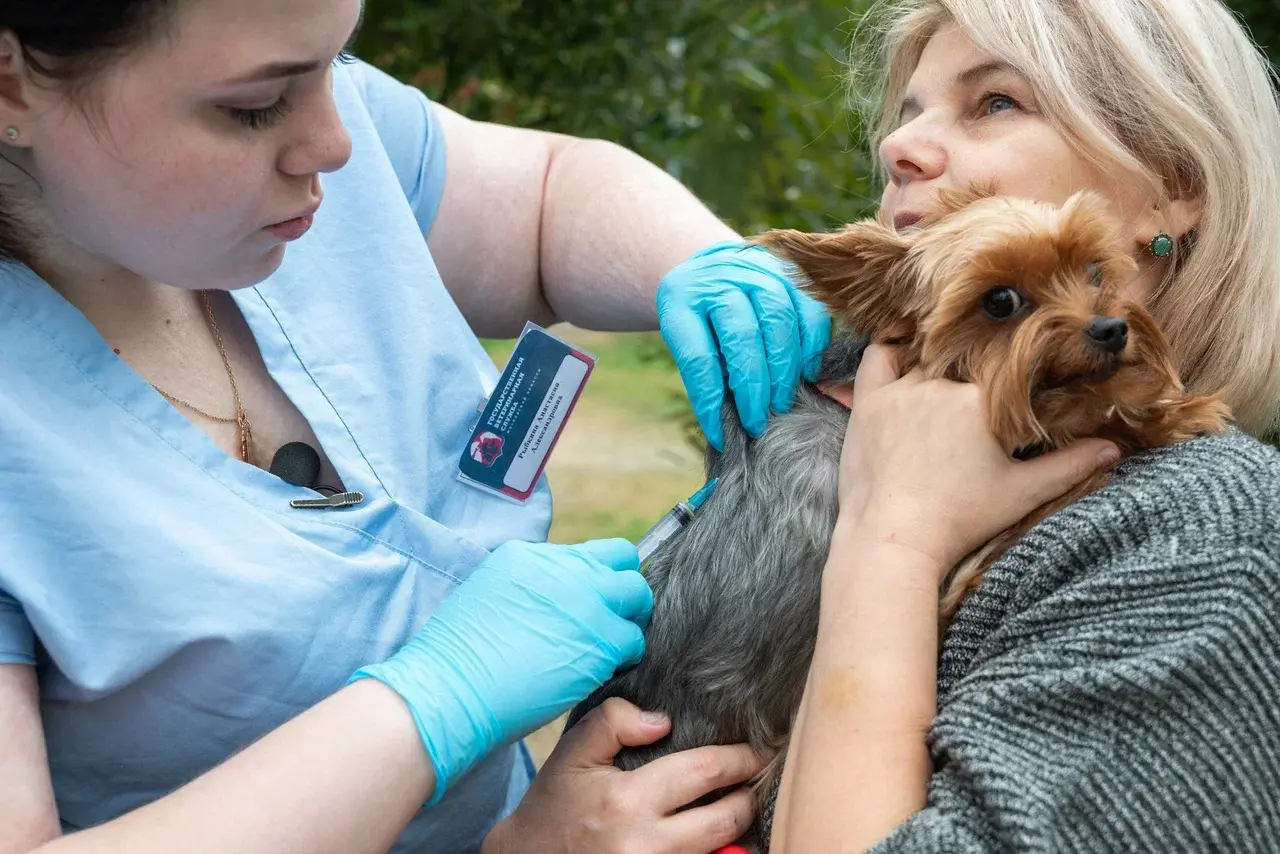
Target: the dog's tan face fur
pixel 1021 298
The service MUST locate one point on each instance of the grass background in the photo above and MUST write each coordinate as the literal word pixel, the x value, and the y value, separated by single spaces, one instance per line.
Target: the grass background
pixel 626 454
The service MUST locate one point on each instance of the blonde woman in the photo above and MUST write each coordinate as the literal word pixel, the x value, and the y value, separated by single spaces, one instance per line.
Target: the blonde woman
pixel 1115 683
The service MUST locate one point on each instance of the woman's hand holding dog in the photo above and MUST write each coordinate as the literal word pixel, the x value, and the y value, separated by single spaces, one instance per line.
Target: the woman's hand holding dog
pixel 923 482
pixel 922 471
pixel 580 802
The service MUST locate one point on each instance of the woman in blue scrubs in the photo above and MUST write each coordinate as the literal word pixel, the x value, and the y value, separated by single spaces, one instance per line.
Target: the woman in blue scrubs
pixel 214 227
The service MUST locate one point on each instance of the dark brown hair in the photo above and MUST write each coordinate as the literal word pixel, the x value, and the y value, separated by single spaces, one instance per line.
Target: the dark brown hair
pixel 68 40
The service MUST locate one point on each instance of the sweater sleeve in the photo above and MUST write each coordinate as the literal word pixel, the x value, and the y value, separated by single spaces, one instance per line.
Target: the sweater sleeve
pixel 1134 707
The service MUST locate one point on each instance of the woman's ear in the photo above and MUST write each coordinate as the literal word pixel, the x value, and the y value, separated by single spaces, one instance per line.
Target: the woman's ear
pixel 862 273
pixel 1180 216
pixel 1183 215
pixel 14 107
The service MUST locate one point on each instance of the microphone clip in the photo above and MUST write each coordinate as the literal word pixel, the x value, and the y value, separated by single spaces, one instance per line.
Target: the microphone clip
pixel 298 463
pixel 337 499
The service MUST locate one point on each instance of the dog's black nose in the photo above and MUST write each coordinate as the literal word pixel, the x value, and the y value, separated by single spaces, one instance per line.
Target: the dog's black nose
pixel 1109 333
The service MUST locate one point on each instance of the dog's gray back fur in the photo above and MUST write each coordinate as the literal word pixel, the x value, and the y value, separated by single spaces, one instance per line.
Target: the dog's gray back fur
pixel 736 592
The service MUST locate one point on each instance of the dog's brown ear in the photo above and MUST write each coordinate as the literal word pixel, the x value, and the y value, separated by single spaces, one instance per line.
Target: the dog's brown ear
pixel 862 273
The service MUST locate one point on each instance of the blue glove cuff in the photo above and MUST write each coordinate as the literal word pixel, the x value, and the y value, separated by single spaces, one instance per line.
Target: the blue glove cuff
pixel 720 247
pixel 756 255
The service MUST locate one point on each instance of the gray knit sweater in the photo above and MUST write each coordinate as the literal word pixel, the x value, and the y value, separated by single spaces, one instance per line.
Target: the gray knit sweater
pixel 1114 685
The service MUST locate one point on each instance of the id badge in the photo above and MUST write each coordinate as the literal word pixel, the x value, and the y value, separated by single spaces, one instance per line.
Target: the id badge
pixel 523 418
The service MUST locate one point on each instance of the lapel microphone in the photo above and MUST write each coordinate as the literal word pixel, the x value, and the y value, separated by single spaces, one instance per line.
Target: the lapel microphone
pixel 298 463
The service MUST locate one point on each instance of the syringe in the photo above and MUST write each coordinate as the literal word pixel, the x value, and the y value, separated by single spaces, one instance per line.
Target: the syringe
pixel 675 519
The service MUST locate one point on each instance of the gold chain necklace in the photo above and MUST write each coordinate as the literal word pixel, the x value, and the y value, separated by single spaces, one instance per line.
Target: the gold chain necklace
pixel 240 419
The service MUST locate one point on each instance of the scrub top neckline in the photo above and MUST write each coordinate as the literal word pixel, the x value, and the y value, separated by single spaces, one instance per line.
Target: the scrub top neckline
pixel 33 300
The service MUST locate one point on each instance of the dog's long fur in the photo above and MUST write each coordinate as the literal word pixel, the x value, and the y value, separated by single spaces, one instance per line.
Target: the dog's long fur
pixel 736 593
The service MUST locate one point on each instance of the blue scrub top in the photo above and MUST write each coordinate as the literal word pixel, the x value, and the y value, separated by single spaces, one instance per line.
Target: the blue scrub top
pixel 176 606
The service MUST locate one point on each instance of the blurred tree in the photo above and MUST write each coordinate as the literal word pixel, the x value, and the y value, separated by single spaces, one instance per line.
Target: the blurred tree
pixel 743 101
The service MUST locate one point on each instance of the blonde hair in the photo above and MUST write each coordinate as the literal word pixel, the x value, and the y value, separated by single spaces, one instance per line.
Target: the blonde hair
pixel 1172 93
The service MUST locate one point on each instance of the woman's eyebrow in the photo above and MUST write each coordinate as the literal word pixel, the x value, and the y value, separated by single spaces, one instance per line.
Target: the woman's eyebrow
pixel 973 76
pixel 277 70
pixel 966 79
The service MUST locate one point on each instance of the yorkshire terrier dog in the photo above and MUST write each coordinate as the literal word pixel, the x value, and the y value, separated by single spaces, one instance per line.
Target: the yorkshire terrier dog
pixel 1021 298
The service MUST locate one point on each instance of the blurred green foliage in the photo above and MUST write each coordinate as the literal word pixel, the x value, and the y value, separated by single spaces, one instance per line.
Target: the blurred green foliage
pixel 743 100
pixel 1263 19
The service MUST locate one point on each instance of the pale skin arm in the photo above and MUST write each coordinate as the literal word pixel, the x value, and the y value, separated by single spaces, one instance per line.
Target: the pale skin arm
pixel 538 226
pixel 345 776
pixel 858 748
pixel 28 816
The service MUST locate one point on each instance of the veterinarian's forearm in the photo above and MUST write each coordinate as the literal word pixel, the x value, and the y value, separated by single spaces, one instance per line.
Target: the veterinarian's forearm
pixel 858 765
pixel 613 224
pixel 345 776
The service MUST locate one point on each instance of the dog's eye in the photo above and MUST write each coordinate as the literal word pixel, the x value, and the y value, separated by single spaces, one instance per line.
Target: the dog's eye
pixel 1002 303
pixel 1094 272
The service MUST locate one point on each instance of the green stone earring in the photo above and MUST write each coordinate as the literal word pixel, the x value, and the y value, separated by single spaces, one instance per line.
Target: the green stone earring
pixel 1160 245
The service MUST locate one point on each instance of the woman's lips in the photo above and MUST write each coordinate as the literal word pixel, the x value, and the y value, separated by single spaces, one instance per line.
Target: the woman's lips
pixel 905 220
pixel 292 229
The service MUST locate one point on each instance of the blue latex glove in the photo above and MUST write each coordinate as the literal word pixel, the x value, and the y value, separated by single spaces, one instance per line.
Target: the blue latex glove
pixel 769 333
pixel 530 633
